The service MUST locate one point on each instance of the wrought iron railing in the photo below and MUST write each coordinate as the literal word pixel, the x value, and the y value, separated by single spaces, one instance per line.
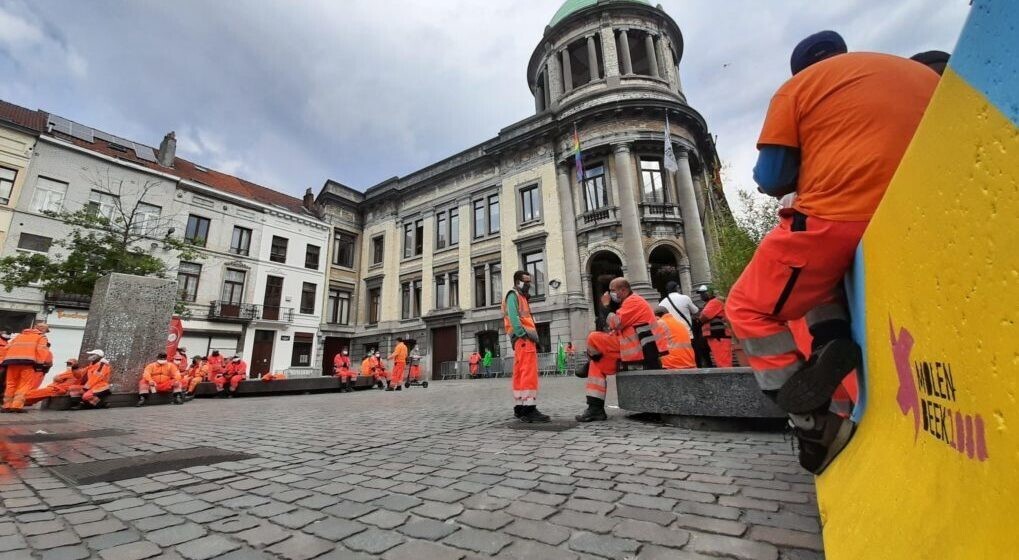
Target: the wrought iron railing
pixel 231 310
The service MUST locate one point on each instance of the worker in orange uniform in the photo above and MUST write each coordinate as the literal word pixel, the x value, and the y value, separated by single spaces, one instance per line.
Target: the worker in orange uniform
pixel 278 376
pixel 26 360
pixel 473 363
pixel 342 370
pixel 68 382
pixel 523 334
pixel 196 373
pixel 415 367
pixel 4 337
pixel 97 381
pixel 216 363
pixel 399 358
pixel 680 344
pixel 180 359
pixel 160 376
pixel 715 328
pixel 635 337
pixel 834 134
pixel 236 371
pixel 380 377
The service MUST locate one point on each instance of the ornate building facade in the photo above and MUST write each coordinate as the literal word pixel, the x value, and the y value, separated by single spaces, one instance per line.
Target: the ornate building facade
pixel 430 255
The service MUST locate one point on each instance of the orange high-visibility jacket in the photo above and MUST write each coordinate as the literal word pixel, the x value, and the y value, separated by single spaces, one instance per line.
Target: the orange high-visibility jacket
pixel 399 353
pixel 3 350
pixel 366 366
pixel 156 372
pixel 30 347
pixel 681 355
pixel 68 377
pixel 713 318
pixel 97 376
pixel 523 313
pixel 633 322
pixel 216 364
pixel 341 362
pixel 239 368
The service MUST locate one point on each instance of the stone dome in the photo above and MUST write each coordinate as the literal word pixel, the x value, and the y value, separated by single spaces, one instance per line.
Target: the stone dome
pixel 571 6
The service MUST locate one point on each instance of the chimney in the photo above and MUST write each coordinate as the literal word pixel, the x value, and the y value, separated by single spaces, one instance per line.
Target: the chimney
pixel 309 200
pixel 167 150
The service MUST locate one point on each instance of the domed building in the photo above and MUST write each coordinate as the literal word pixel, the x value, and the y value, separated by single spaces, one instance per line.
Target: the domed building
pixel 431 254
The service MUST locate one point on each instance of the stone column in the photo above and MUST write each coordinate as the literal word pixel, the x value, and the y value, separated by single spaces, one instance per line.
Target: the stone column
pixel 427 279
pixel 610 58
pixel 624 51
pixel 466 266
pixel 671 73
pixel 693 231
pixel 652 58
pixel 567 72
pixel 555 80
pixel 592 58
pixel 571 250
pixel 633 247
pixel 539 99
pixel 685 282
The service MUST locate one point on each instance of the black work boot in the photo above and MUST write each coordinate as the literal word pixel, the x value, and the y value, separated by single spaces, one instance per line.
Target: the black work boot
pixel 532 415
pixel 518 411
pixel 141 400
pixel 178 398
pixel 810 388
pixel 595 411
pixel 75 403
pixel 582 372
pixel 821 435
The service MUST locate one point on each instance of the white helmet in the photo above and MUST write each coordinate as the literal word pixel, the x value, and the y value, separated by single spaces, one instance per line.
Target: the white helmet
pixel 96 352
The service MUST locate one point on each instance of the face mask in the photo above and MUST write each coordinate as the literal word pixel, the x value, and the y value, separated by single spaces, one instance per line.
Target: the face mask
pixel 524 287
pixel 614 296
pixel 160 362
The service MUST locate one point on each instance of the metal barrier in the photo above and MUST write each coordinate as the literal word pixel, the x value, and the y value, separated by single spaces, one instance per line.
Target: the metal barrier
pixel 503 367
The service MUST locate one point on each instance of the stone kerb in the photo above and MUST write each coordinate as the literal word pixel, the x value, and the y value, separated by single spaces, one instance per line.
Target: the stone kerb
pixel 129 319
pixel 713 393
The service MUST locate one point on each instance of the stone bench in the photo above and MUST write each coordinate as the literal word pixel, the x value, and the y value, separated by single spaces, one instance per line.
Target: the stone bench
pixel 695 397
pixel 300 385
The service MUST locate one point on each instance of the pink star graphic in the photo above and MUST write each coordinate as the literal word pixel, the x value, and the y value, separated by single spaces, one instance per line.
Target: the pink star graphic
pixel 907 396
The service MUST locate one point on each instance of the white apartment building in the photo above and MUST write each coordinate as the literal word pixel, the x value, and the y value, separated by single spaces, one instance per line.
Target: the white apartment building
pixel 255 289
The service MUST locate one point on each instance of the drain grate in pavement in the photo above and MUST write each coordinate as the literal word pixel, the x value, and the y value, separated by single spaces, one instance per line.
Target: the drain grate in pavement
pixel 132 467
pixel 23 422
pixel 553 426
pixel 64 436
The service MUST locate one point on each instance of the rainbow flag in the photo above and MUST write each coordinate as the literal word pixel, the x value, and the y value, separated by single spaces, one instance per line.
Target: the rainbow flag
pixel 578 161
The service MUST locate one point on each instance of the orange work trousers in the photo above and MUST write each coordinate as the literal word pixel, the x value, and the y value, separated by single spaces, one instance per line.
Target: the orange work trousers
pixel 235 381
pixel 396 378
pixel 721 351
pixel 44 393
pixel 525 372
pixel 415 373
pixel 346 374
pixel 161 384
pixel 608 346
pixel 21 380
pixel 796 273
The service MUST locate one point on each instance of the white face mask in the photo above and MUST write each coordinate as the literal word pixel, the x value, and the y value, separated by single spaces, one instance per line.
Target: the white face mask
pixel 614 296
pixel 160 362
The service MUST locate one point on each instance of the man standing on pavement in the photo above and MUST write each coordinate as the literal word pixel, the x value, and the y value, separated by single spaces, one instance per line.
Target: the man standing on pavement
pixel 27 359
pixel 399 358
pixel 635 337
pixel 473 363
pixel 834 134
pixel 681 355
pixel 715 327
pixel 683 309
pixel 486 362
pixel 523 334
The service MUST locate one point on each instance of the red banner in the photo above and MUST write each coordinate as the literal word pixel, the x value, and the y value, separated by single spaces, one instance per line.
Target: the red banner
pixel 174 336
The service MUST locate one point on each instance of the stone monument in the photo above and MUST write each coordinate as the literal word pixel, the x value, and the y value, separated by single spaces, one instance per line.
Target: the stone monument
pixel 129 319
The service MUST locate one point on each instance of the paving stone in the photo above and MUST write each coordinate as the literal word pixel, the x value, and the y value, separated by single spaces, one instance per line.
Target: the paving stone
pixel 264 535
pixel 659 517
pixel 334 529
pixel 485 502
pixel 719 545
pixel 783 520
pixel 158 522
pixel 12 542
pixel 776 495
pixel 603 545
pixel 648 502
pixel 428 529
pixel 234 524
pixel 272 509
pixel 40 527
pixel 301 547
pixel 748 503
pixel 445 495
pixel 131 551
pixel 652 552
pixel 363 495
pixel 397 502
pixel 246 501
pixel 190 506
pixel 243 553
pixel 544 499
pixel 438 510
pixel 787 538
pixel 530 550
pixel 584 521
pixel 709 510
pixel 645 532
pixel 84 516
pixel 171 536
pixel 297 519
pixel 123 504
pixel 485 542
pixel 79 552
pixel 103 527
pixel 53 540
pixel 588 506
pixel 530 511
pixel 373 541
pixel 711 525
pixel 210 515
pixel 110 540
pixel 538 531
pixel 207 547
pixel 349 510
pixel 423 550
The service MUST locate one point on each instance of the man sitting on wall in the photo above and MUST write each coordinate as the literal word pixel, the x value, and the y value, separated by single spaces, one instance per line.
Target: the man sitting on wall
pixel 236 371
pixel 160 376
pixel 68 382
pixel 195 373
pixel 97 381
pixel 634 336
pixel 342 370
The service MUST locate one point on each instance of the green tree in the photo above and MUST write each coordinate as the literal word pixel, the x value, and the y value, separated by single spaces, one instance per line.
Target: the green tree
pixel 118 234
pixel 738 236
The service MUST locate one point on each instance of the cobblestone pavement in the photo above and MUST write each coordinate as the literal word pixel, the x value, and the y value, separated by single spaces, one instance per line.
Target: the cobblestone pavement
pixel 421 474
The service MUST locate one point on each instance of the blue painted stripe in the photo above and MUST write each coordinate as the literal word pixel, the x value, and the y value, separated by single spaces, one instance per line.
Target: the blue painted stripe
pixel 987 55
pixel 855 293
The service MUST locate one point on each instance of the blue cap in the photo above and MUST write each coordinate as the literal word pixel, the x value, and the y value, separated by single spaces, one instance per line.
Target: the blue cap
pixel 817 47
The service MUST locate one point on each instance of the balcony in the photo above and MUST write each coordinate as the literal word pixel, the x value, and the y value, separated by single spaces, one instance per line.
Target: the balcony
pixel 73 301
pixel 602 217
pixel 228 311
pixel 660 212
pixel 274 313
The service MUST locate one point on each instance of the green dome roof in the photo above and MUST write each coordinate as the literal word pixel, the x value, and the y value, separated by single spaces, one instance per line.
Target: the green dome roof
pixel 571 6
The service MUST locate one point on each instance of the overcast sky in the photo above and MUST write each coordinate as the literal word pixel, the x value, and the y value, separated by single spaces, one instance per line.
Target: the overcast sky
pixel 290 93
